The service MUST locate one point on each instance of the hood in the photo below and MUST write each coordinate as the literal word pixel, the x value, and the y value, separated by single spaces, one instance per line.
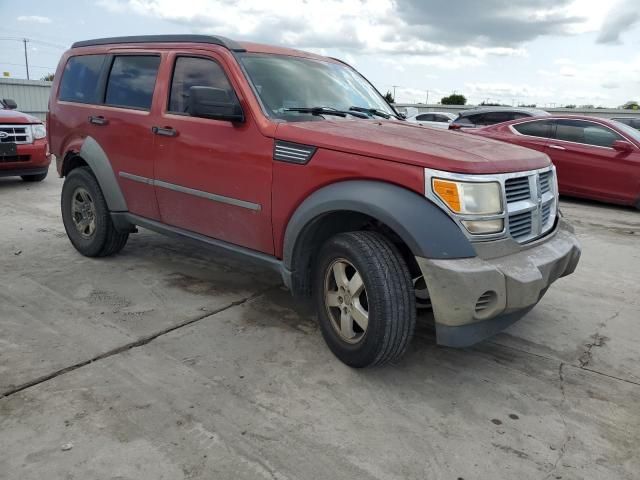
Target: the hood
pixel 413 144
pixel 13 116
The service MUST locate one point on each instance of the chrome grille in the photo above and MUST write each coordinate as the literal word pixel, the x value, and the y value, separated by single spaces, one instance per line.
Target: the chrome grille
pixel 517 189
pixel 15 134
pixel 531 204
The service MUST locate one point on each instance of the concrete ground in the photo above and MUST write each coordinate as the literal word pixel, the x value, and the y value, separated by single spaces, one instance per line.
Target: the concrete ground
pixel 169 362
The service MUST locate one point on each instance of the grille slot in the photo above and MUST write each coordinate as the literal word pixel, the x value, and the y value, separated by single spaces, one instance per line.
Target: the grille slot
pixel 517 189
pixel 14 158
pixel 545 182
pixel 546 213
pixel 520 224
pixel 485 301
pixel 15 134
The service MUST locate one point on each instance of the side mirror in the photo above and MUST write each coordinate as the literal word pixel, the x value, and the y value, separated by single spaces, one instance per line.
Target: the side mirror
pixel 9 103
pixel 215 103
pixel 622 146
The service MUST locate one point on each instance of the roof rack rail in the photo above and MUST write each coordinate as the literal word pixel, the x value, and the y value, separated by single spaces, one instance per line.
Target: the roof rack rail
pixel 222 41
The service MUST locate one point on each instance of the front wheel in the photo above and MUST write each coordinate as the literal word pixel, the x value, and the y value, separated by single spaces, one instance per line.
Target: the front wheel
pixel 365 299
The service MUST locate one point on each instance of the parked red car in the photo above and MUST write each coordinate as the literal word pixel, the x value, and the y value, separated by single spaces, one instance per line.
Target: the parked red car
pixel 296 161
pixel 23 145
pixel 595 157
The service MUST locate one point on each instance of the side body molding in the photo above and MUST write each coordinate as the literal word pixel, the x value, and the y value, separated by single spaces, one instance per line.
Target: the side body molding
pixel 92 153
pixel 423 226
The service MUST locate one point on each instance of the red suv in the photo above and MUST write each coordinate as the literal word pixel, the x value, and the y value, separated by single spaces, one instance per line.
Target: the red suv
pixel 296 161
pixel 23 145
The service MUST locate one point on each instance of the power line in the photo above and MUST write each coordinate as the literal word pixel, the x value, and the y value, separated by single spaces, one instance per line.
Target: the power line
pixel 30 65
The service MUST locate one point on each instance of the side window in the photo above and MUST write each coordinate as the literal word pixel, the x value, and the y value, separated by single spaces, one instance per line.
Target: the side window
pixel 580 131
pixel 132 80
pixel 425 117
pixel 477 119
pixel 441 118
pixel 194 72
pixel 80 79
pixel 497 117
pixel 540 128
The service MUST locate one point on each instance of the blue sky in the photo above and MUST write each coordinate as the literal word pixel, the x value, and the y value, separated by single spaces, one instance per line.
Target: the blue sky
pixel 531 51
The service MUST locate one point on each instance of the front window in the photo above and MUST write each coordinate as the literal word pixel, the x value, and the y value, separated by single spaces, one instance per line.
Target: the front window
pixel 588 133
pixel 630 132
pixel 286 82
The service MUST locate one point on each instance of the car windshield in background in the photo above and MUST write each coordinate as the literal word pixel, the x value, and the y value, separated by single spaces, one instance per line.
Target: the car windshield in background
pixel 285 82
pixel 629 131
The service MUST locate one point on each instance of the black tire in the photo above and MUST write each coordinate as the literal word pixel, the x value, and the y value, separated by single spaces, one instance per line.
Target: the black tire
pixel 34 178
pixel 105 240
pixel 389 295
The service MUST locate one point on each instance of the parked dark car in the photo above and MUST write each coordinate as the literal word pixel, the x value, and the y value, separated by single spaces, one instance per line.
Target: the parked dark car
pixel 631 121
pixel 595 157
pixel 483 116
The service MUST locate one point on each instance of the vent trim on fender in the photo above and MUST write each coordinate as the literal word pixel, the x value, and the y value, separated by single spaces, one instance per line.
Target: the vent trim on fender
pixel 293 152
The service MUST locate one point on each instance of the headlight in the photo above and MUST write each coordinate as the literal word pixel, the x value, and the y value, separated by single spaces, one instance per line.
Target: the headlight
pixel 39 131
pixel 469 198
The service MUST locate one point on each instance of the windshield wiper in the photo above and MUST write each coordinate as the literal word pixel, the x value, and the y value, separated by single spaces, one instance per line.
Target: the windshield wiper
pixel 326 111
pixel 375 112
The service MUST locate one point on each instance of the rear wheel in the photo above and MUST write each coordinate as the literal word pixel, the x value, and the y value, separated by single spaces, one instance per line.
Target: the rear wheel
pixel 86 216
pixel 364 298
pixel 34 178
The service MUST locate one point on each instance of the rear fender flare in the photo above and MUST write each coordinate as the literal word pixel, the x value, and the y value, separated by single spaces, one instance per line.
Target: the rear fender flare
pixel 92 153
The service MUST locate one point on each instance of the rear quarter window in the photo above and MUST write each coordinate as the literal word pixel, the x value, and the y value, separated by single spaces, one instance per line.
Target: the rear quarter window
pixel 132 80
pixel 80 79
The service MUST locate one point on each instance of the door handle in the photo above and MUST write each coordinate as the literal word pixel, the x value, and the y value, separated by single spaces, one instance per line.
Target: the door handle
pixel 165 132
pixel 557 147
pixel 98 120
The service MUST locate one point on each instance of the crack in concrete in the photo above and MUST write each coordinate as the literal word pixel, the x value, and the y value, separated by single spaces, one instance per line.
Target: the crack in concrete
pixel 567 437
pixel 128 346
pixel 598 341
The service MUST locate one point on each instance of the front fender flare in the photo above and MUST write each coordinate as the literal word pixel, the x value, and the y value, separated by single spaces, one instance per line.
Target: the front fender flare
pixel 426 229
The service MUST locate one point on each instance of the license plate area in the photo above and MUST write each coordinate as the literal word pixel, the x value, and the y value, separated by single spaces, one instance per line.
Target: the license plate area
pixel 8 150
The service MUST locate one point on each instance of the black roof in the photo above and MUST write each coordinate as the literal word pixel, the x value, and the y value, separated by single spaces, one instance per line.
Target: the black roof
pixel 222 41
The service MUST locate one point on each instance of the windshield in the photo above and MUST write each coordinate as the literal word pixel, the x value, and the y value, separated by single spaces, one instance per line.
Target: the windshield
pixel 284 82
pixel 629 131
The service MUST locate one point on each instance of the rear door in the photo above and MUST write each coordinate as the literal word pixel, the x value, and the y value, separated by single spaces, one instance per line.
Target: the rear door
pixel 533 134
pixel 587 165
pixel 212 177
pixel 122 125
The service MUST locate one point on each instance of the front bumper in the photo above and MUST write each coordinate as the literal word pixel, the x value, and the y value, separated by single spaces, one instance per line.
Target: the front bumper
pixel 475 298
pixel 33 158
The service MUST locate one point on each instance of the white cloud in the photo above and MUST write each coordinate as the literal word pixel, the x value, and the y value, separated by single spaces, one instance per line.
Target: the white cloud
pixel 33 19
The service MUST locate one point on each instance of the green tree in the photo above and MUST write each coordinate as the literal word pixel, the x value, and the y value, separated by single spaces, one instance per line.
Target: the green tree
pixel 48 77
pixel 454 99
pixel 389 97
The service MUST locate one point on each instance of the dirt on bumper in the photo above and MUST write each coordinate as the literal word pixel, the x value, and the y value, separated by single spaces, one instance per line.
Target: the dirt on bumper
pixel 474 298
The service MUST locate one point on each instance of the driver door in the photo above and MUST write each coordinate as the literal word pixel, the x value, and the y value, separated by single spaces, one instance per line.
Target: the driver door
pixel 212 177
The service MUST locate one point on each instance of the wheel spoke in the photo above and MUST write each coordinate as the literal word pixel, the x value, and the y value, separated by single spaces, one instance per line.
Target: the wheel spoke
pixel 332 299
pixel 356 285
pixel 346 325
pixel 360 316
pixel 340 274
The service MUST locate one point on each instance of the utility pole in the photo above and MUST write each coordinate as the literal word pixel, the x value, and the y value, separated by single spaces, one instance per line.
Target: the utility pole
pixel 26 59
pixel 427 98
pixel 394 91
